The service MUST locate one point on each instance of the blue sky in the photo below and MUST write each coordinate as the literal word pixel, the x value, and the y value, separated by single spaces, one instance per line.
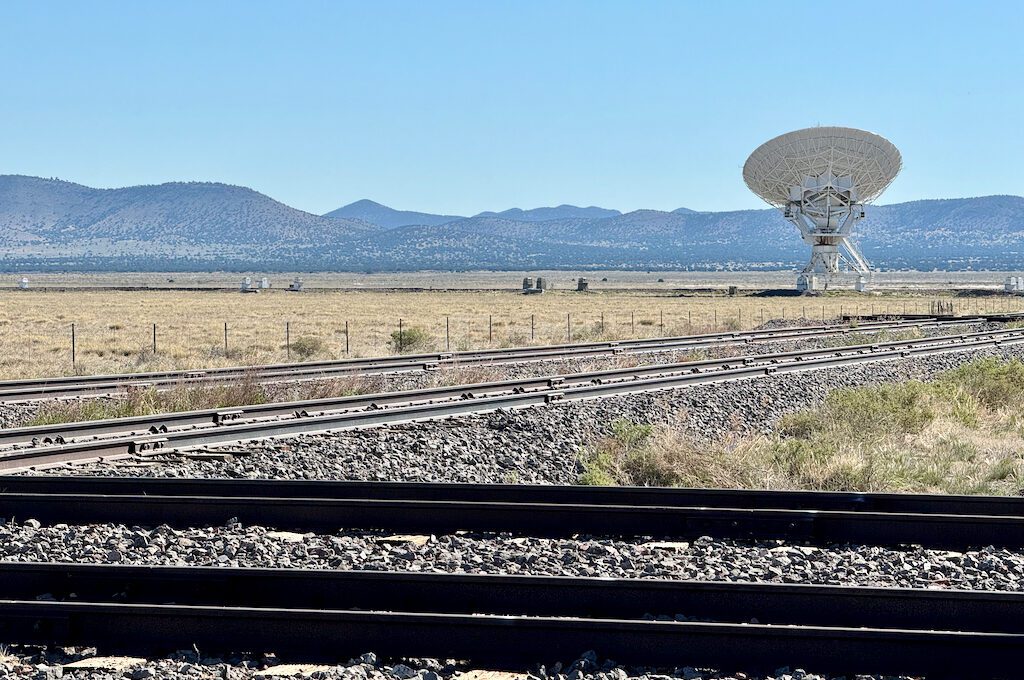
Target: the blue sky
pixel 459 107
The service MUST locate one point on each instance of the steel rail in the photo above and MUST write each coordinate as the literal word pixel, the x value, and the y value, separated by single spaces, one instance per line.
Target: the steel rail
pixel 59 433
pixel 507 641
pixel 940 530
pixel 1012 506
pixel 29 390
pixel 19 459
pixel 824 627
pixel 616 598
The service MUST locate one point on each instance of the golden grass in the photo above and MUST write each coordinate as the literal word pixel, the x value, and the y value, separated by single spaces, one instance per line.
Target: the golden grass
pixel 114 328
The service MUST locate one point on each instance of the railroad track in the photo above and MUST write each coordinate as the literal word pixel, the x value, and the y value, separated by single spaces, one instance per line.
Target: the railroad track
pixel 948 522
pixel 330 615
pixel 148 435
pixel 327 615
pixel 59 433
pixel 76 386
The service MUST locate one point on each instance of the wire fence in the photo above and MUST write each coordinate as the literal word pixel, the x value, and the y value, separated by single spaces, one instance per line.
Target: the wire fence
pixel 254 341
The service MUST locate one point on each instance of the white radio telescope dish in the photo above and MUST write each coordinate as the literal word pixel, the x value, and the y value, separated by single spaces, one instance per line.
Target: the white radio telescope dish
pixel 821 178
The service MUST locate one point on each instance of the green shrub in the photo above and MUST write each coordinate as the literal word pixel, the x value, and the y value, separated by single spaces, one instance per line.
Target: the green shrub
pixel 308 346
pixel 623 458
pixel 411 340
pixel 629 433
pixel 993 383
pixel 861 414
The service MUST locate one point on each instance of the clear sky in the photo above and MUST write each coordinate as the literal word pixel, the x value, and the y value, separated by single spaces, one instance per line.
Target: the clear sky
pixel 459 107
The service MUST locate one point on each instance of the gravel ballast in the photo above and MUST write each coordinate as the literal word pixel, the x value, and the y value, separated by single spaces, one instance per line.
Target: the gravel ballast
pixel 47 665
pixel 702 559
pixel 541 445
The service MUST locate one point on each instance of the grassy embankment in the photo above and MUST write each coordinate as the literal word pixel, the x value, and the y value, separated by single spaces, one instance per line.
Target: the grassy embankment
pixel 962 433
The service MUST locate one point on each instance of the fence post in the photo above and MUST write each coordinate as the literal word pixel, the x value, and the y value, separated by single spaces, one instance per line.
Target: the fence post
pixel 568 327
pixel 154 339
pixel 447 335
pixel 401 337
pixel 490 328
pixel 663 322
pixel 72 345
pixel 602 323
pixel 532 335
pixel 225 338
pixel 346 338
pixel 632 323
pixel 288 339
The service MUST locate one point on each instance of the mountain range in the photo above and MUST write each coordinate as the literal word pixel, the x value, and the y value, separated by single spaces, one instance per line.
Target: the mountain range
pixel 48 224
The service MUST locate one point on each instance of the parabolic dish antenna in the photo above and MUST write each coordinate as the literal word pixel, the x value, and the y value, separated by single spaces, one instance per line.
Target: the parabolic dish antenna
pixel 821 178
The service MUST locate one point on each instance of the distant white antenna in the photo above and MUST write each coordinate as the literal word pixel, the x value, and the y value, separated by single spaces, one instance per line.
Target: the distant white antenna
pixel 821 178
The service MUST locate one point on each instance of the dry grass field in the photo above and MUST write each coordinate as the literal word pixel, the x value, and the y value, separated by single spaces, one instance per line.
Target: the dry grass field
pixel 664 281
pixel 114 328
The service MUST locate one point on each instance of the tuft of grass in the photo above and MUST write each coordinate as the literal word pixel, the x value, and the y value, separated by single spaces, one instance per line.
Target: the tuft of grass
pixel 864 338
pixel 865 414
pixel 192 398
pixel 994 384
pixel 411 340
pixel 308 346
pixel 626 454
pixel 149 401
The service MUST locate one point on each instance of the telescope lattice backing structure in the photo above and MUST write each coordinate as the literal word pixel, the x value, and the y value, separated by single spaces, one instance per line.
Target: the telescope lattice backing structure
pixel 821 178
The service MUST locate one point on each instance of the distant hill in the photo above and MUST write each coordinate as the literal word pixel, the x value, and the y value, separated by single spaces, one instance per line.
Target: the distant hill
pixel 561 212
pixel 51 224
pixel 194 218
pixel 388 218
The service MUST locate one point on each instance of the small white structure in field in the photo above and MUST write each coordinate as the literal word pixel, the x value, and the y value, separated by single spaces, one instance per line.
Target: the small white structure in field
pixel 1014 284
pixel 264 283
pixel 248 286
pixel 296 285
pixel 23 283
